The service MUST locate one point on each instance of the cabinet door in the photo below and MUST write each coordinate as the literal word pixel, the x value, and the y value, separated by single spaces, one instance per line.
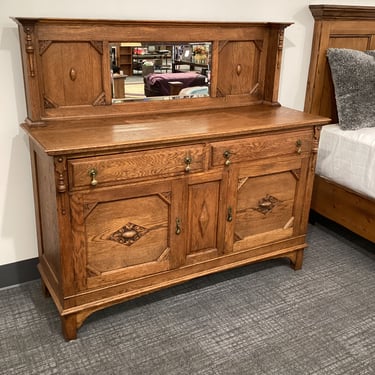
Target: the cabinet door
pixel 205 216
pixel 268 200
pixel 125 232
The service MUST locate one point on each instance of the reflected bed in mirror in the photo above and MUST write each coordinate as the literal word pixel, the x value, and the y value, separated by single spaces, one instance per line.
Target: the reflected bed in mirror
pixel 159 71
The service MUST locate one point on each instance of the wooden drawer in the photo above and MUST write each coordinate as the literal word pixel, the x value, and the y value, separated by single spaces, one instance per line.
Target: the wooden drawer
pixel 264 146
pixel 136 165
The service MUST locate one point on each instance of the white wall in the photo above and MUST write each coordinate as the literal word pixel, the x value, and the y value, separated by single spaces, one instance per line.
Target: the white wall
pixel 17 224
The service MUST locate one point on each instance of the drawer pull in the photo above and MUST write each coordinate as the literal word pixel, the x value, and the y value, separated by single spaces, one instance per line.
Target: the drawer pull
pixel 187 161
pixel 299 146
pixel 92 173
pixel 178 226
pixel 226 155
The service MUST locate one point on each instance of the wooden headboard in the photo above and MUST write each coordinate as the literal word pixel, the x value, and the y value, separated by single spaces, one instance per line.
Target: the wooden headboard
pixel 337 26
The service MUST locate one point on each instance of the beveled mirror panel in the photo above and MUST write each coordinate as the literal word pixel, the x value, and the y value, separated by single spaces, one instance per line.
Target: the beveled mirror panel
pixel 143 71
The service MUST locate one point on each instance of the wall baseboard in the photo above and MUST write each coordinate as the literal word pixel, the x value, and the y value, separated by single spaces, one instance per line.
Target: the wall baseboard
pixel 19 272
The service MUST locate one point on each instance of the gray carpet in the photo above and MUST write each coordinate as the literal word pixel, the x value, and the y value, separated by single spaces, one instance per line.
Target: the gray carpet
pixel 260 319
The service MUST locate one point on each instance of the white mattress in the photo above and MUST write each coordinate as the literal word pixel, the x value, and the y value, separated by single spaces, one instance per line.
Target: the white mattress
pixel 347 157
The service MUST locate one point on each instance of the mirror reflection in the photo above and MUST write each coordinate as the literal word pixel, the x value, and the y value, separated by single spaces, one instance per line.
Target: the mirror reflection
pixel 159 71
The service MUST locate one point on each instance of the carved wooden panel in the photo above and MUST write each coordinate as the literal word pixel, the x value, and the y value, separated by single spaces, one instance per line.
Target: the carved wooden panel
pixel 203 211
pixel 72 73
pixel 111 225
pixel 239 69
pixel 122 234
pixel 265 208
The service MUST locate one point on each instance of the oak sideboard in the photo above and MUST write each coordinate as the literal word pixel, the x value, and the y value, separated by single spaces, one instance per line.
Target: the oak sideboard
pixel 140 194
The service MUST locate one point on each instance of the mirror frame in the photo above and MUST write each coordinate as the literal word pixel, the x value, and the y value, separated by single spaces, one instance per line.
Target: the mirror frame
pixel 37 34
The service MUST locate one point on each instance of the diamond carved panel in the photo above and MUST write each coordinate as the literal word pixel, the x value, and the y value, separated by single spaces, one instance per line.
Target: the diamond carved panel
pixel 128 234
pixel 266 204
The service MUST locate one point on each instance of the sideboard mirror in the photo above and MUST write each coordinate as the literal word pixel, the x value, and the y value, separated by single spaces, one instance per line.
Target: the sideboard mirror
pixel 143 71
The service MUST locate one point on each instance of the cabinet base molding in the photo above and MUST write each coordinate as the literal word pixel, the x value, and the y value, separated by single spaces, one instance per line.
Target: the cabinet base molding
pixel 73 318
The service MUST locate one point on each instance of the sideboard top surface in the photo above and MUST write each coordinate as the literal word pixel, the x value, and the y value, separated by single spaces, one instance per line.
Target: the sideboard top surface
pixel 92 135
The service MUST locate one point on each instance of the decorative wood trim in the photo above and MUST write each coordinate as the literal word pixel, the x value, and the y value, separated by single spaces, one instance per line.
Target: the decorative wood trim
pixel 87 209
pixel 128 234
pixel 222 44
pixel 100 100
pixel 255 89
pixel 166 197
pixel 43 45
pixel 296 174
pixel 259 45
pixel 98 45
pixel 342 12
pixel 267 204
pixel 48 103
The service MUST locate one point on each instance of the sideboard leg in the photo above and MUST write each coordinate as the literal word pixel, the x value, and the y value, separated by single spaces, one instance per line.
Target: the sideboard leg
pixel 45 290
pixel 297 264
pixel 69 327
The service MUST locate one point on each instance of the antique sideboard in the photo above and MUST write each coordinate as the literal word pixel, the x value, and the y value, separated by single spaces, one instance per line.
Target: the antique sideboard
pixel 136 196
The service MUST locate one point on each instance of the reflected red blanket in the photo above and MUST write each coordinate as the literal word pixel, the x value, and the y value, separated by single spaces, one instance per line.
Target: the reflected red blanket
pixel 157 84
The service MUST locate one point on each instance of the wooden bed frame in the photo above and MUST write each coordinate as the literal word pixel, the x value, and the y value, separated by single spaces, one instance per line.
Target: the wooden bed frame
pixel 339 27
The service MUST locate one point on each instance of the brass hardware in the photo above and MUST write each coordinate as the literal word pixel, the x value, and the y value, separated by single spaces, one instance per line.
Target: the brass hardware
pixel 178 226
pixel 226 155
pixel 299 146
pixel 92 173
pixel 187 162
pixel 229 214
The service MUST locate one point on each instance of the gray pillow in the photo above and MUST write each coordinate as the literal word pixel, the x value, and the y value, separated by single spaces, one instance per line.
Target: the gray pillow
pixel 353 74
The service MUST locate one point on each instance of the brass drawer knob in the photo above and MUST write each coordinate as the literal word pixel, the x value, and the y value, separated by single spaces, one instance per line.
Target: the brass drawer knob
pixel 92 173
pixel 188 160
pixel 227 155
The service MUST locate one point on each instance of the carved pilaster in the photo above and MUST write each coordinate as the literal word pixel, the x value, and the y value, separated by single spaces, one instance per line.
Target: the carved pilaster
pixel 29 47
pixel 60 169
pixel 61 184
pixel 280 47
